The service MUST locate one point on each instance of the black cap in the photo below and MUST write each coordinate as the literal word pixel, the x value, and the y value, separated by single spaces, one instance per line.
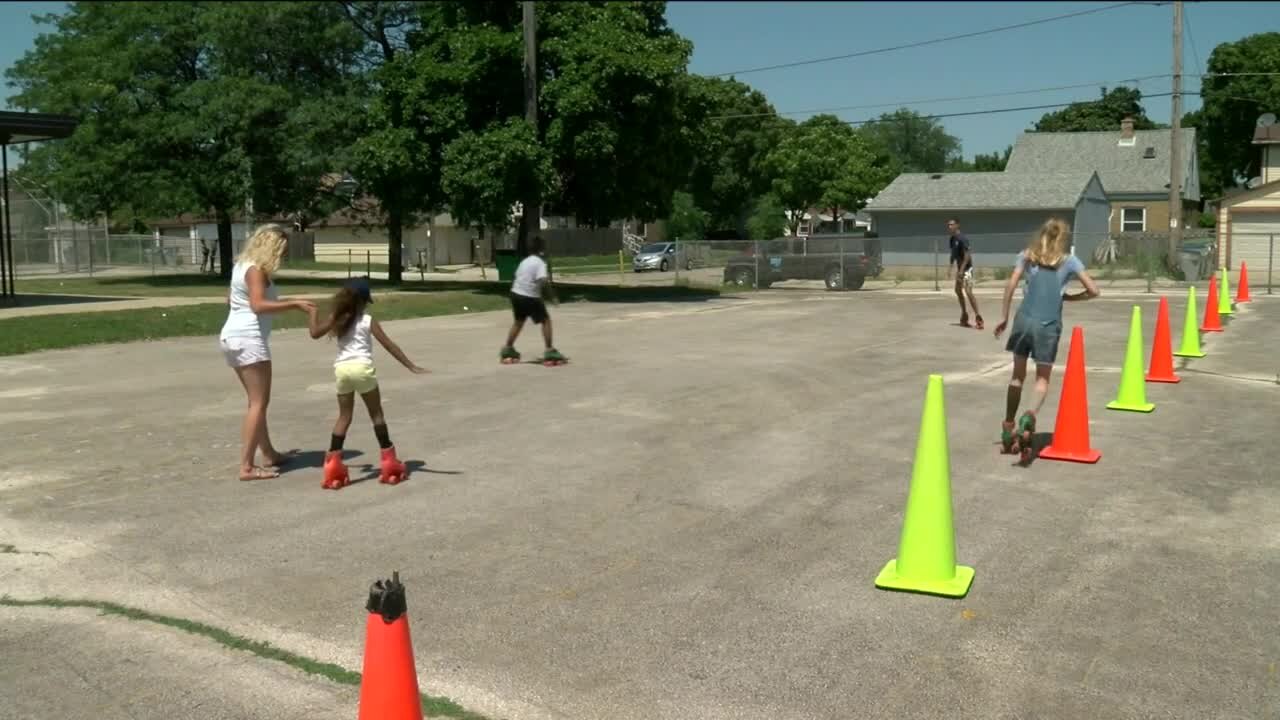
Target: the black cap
pixel 360 286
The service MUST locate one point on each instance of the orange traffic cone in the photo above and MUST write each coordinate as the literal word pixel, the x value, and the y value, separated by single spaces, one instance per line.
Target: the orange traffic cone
pixel 1212 321
pixel 1161 368
pixel 389 683
pixel 1071 431
pixel 1242 288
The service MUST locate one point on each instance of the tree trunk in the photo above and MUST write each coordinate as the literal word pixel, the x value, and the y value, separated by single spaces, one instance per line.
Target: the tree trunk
pixel 395 235
pixel 225 249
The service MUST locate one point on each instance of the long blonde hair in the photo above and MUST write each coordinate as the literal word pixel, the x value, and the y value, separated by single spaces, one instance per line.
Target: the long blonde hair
pixel 265 248
pixel 1049 246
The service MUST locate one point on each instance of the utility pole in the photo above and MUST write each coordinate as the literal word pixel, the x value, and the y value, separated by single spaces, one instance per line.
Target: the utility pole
pixel 531 219
pixel 1175 143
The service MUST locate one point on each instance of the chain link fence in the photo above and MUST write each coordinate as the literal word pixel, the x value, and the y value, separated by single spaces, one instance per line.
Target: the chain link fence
pixel 851 262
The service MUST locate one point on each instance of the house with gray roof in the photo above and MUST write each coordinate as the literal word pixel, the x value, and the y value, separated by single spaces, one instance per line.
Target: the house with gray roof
pixel 1133 166
pixel 998 211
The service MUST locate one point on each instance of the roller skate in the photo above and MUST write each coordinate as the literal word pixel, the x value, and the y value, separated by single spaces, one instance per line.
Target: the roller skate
pixel 977 322
pixel 509 356
pixel 553 358
pixel 964 320
pixel 1026 430
pixel 1009 444
pixel 335 473
pixel 393 471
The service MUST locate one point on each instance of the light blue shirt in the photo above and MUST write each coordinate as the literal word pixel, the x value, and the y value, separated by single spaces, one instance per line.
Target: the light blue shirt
pixel 1042 300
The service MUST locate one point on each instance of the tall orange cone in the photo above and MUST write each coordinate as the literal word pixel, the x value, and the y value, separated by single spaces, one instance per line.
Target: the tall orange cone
pixel 1161 367
pixel 1212 321
pixel 1242 290
pixel 389 683
pixel 1071 431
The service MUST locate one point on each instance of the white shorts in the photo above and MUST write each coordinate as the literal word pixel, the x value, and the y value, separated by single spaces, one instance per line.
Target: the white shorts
pixel 244 351
pixel 965 279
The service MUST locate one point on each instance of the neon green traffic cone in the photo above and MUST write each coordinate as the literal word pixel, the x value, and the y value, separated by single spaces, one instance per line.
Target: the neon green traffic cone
pixel 926 561
pixel 1190 333
pixel 1133 387
pixel 1224 295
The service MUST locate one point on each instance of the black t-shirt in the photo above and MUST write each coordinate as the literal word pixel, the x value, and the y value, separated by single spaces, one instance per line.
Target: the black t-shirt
pixel 959 246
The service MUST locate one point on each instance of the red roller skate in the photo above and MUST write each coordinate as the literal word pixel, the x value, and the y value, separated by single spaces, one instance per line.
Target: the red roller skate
pixel 977 322
pixel 393 471
pixel 335 473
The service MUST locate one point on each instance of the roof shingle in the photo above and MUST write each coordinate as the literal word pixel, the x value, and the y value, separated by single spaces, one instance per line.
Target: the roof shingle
pixel 1122 169
pixel 982 191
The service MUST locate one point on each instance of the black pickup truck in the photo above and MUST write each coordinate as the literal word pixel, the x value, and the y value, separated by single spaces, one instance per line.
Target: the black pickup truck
pixel 817 257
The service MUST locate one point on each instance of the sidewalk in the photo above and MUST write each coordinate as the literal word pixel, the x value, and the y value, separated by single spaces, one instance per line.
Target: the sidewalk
pixel 36 304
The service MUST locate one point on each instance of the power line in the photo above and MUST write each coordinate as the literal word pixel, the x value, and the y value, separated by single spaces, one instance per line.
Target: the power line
pixel 1186 23
pixel 934 41
pixel 956 98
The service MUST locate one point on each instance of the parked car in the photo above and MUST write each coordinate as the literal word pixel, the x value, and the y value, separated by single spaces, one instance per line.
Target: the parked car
pixel 659 256
pixel 817 257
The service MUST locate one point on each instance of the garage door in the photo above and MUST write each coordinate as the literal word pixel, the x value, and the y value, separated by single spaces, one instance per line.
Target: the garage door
pixel 1251 239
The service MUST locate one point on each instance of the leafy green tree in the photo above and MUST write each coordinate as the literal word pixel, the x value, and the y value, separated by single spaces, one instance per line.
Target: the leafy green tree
pixel 687 220
pixel 738 130
pixel 912 143
pixel 488 172
pixel 1232 105
pixel 1104 113
pixel 176 115
pixel 822 162
pixel 768 219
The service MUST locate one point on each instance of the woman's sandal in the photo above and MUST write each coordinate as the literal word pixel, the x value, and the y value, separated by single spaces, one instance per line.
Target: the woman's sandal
pixel 260 473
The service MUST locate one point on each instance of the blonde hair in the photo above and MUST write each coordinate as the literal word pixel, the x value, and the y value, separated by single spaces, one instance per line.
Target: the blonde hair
pixel 265 248
pixel 1049 246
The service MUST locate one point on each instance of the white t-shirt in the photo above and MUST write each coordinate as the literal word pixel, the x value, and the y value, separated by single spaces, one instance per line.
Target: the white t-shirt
pixel 357 343
pixel 242 321
pixel 528 273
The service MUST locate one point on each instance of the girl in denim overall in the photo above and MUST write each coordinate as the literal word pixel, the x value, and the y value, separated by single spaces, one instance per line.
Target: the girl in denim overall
pixel 1047 267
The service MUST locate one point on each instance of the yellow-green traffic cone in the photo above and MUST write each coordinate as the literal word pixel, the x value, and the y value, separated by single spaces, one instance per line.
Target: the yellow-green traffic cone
pixel 1190 333
pixel 926 561
pixel 1133 388
pixel 1224 295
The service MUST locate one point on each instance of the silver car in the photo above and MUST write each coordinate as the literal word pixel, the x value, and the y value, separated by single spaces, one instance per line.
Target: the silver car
pixel 655 256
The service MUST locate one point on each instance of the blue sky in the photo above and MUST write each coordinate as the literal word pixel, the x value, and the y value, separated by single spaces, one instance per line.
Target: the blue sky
pixel 1108 46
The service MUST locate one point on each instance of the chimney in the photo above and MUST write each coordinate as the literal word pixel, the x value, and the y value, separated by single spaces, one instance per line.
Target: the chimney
pixel 1126 128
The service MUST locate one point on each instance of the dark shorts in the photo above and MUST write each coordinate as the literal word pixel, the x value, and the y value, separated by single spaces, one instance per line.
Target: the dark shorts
pixel 1034 339
pixel 527 308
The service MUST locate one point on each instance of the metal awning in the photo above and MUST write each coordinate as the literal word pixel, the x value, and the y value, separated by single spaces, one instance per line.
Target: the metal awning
pixel 17 128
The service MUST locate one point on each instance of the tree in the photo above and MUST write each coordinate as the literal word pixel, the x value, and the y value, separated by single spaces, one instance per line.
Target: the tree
pixel 768 219
pixel 1104 113
pixel 611 109
pixel 911 142
pixel 177 113
pixel 822 162
pixel 736 132
pixel 487 172
pixel 687 220
pixel 1232 105
pixel 612 124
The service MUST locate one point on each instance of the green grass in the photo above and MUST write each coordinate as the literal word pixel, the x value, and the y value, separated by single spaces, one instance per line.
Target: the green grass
pixel 162 286
pixel 357 265
pixel 25 334
pixel 566 262
pixel 431 706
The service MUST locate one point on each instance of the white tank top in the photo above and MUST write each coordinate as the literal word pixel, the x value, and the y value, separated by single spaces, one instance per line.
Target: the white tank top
pixel 242 321
pixel 357 343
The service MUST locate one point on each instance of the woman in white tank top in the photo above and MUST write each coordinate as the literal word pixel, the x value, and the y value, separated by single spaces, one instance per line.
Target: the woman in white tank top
pixel 252 300
pixel 354 328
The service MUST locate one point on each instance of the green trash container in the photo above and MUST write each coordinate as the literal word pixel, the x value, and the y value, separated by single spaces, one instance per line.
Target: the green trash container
pixel 506 260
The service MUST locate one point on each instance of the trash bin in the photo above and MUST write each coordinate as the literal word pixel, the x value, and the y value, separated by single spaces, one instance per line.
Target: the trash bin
pixel 506 261
pixel 1193 258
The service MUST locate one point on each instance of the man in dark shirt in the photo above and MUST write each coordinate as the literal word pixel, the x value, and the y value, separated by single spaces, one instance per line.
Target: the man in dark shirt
pixel 962 258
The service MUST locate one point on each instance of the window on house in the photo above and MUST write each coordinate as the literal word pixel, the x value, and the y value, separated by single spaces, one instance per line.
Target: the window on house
pixel 1133 220
pixel 804 228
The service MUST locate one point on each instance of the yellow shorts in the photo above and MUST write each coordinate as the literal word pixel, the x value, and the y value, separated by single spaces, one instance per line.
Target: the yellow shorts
pixel 355 376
